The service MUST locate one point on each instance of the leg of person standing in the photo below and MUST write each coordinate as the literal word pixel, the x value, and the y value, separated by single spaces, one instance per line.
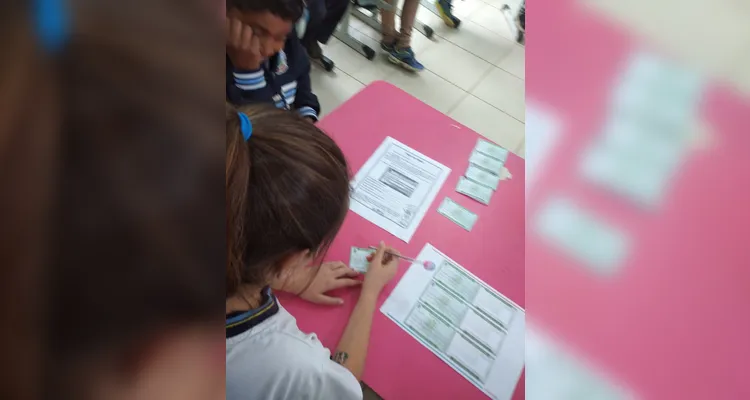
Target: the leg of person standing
pixel 388 27
pixel 317 10
pixel 335 10
pixel 445 9
pixel 398 44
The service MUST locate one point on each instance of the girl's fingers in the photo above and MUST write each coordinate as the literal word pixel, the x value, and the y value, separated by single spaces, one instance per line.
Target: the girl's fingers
pixel 345 282
pixel 347 272
pixel 337 265
pixel 328 300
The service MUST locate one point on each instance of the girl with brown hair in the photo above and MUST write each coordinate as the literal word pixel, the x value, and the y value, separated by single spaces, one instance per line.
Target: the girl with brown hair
pixel 287 194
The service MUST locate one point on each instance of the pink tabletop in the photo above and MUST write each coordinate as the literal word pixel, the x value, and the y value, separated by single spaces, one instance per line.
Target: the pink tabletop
pixel 399 367
pixel 673 324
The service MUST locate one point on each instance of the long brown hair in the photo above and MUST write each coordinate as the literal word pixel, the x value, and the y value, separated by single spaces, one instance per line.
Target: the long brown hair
pixel 287 190
pixel 110 171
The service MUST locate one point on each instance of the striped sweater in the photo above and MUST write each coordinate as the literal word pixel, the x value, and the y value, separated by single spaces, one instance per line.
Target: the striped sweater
pixel 282 80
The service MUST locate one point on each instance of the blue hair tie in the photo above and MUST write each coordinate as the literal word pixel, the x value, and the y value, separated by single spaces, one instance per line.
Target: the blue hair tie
pixel 51 22
pixel 245 125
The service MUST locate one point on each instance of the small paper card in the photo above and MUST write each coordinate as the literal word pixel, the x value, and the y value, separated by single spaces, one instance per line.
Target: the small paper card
pixel 482 177
pixel 492 150
pixel 358 259
pixel 474 190
pixel 454 212
pixel 486 162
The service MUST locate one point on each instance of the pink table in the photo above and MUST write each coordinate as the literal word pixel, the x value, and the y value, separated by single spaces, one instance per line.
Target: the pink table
pixel 399 367
pixel 674 324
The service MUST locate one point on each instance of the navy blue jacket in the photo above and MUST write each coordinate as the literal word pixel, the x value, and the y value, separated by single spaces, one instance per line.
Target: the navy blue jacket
pixel 282 80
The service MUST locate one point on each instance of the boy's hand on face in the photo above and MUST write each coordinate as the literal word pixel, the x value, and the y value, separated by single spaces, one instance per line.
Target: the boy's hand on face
pixel 243 47
pixel 329 276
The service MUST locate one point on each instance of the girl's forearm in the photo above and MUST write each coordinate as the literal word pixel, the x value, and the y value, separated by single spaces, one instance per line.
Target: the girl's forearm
pixel 352 348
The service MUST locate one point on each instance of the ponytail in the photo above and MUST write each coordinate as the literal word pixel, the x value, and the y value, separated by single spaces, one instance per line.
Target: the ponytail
pixel 238 167
pixel 287 191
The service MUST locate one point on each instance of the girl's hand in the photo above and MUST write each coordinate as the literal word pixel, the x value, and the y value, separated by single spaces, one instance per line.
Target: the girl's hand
pixel 329 276
pixel 382 269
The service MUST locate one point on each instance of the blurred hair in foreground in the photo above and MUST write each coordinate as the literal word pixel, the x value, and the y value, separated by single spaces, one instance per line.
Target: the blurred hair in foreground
pixel 637 276
pixel 112 232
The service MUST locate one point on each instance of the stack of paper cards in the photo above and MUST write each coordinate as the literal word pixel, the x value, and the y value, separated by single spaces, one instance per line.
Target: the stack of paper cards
pixel 483 175
pixel 481 179
pixel 647 135
pixel 454 212
pixel 358 259
pixel 474 190
pixel 492 150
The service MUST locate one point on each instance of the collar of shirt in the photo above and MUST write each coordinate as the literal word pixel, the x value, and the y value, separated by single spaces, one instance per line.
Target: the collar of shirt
pixel 239 322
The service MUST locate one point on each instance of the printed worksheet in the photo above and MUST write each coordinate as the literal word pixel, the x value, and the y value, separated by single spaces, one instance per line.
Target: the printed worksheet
pixel 395 187
pixel 466 323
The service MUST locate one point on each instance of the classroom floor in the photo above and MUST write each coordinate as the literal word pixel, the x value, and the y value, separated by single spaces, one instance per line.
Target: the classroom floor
pixel 474 74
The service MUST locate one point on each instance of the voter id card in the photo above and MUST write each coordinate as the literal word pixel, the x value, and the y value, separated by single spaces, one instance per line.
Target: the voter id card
pixel 458 214
pixel 474 190
pixel 358 259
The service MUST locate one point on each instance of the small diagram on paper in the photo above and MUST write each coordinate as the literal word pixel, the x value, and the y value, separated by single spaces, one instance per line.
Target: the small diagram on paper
pixel 399 182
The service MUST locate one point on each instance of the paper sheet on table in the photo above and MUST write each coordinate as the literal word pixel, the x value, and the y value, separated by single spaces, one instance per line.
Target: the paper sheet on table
pixel 466 323
pixel 395 188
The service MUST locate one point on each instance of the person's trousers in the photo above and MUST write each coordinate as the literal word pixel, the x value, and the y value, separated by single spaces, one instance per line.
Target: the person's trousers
pixel 324 17
pixel 402 38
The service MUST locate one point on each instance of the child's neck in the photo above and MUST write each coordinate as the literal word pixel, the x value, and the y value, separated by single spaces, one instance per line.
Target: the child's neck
pixel 246 299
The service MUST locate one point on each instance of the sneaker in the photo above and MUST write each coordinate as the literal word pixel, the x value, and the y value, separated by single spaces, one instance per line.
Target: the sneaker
pixel 405 58
pixel 444 8
pixel 388 47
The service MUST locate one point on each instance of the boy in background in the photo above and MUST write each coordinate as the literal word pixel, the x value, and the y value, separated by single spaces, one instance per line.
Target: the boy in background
pixel 445 9
pixel 325 16
pixel 397 43
pixel 266 63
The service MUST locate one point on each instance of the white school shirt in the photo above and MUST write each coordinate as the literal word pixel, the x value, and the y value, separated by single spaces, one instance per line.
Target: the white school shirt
pixel 274 360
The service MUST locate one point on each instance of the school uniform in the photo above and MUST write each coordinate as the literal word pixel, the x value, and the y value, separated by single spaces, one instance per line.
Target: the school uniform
pixel 324 17
pixel 269 358
pixel 282 80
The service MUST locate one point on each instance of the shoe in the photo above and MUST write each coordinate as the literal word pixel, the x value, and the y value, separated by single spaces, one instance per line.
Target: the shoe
pixel 405 58
pixel 314 51
pixel 444 8
pixel 388 47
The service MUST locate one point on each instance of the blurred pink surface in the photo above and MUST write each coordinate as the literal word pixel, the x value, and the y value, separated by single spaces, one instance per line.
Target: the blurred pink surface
pixel 399 367
pixel 673 324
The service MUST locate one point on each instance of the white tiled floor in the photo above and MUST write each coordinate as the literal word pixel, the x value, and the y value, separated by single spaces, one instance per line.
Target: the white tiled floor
pixel 474 74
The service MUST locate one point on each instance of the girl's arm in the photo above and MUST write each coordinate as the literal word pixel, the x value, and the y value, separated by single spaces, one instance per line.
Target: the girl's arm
pixel 352 348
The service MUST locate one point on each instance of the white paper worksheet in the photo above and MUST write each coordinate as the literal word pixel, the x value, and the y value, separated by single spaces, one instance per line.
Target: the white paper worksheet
pixel 396 186
pixel 466 323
